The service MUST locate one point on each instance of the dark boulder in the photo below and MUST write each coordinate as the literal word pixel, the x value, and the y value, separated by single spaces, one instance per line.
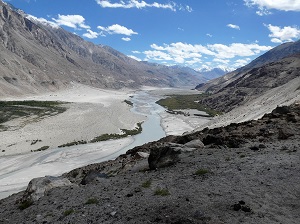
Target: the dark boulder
pixel 163 155
pixel 92 177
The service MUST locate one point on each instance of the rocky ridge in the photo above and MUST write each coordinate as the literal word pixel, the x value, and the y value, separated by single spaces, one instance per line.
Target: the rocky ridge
pixel 241 173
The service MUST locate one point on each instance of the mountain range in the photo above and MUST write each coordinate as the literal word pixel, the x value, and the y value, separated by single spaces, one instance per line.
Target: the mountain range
pixel 275 68
pixel 36 57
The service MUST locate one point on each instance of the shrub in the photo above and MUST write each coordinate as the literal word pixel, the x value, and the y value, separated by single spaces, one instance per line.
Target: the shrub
pixel 25 204
pixel 201 172
pixel 162 192
pixel 91 201
pixel 146 184
pixel 68 212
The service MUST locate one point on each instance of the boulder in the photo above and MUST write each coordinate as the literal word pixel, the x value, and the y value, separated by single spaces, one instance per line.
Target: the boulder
pixel 93 176
pixel 164 155
pixel 197 144
pixel 38 187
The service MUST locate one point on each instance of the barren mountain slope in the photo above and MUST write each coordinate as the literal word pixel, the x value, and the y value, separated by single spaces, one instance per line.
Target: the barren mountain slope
pixel 38 57
pixel 255 83
pixel 275 54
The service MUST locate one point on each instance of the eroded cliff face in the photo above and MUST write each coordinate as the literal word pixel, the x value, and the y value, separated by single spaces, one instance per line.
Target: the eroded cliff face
pixel 245 172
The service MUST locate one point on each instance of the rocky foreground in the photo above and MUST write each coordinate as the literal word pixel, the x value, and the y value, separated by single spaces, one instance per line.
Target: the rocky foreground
pixel 242 173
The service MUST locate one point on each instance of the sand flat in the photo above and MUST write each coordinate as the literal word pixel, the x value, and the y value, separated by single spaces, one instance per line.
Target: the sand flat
pixel 91 112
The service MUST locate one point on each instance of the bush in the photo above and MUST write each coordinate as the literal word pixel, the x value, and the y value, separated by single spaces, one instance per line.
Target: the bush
pixel 91 201
pixel 201 172
pixel 162 192
pixel 146 184
pixel 25 204
pixel 68 212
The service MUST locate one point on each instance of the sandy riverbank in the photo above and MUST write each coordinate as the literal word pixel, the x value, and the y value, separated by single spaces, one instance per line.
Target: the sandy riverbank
pixel 92 112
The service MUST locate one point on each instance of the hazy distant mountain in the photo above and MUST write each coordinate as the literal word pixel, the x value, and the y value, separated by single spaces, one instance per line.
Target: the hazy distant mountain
pixel 214 72
pixel 35 57
pixel 275 68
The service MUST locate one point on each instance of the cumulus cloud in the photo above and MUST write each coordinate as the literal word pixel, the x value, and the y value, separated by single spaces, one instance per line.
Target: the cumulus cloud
pixel 73 21
pixel 42 20
pixel 285 34
pixel 265 5
pixel 233 26
pixel 126 39
pixel 219 54
pixel 134 57
pixel 117 29
pixel 142 4
pixel 91 34
pixel 236 49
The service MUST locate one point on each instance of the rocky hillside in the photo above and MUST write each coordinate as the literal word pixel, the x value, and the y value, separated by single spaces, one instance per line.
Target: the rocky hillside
pixel 242 173
pixel 273 69
pixel 37 57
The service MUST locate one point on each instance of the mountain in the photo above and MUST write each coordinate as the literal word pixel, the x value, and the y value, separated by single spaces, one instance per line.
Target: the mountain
pixel 214 73
pixel 275 68
pixel 187 70
pixel 275 54
pixel 36 56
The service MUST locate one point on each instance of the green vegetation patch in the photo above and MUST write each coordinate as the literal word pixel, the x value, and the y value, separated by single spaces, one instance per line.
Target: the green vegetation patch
pixel 182 102
pixel 41 149
pixel 68 212
pixel 128 102
pixel 201 172
pixel 25 204
pixel 91 201
pixel 17 109
pixel 125 133
pixel 146 184
pixel 162 192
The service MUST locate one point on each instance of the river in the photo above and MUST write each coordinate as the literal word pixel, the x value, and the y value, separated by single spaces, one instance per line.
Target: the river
pixel 16 171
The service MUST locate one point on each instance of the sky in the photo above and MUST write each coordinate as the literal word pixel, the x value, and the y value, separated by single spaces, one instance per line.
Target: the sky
pixel 201 34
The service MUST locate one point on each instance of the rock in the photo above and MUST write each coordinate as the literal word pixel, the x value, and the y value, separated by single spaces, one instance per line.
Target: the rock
pixel 143 154
pixel 38 187
pixel 246 209
pixel 163 155
pixel 237 207
pixel 254 148
pixel 198 144
pixel 92 176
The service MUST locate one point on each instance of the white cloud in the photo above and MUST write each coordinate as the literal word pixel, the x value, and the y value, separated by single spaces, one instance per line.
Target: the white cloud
pixel 235 54
pixel 285 34
pixel 126 39
pixel 142 4
pixel 180 29
pixel 209 35
pixel 134 57
pixel 222 61
pixel 241 62
pixel 265 5
pixel 73 21
pixel 237 49
pixel 117 29
pixel 136 52
pixel 91 34
pixel 157 56
pixel 42 20
pixel 233 26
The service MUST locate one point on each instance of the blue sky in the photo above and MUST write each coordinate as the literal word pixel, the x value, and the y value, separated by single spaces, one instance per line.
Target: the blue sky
pixel 195 33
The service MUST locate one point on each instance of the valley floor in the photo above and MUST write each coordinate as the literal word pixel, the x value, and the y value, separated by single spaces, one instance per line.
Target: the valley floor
pixel 91 112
